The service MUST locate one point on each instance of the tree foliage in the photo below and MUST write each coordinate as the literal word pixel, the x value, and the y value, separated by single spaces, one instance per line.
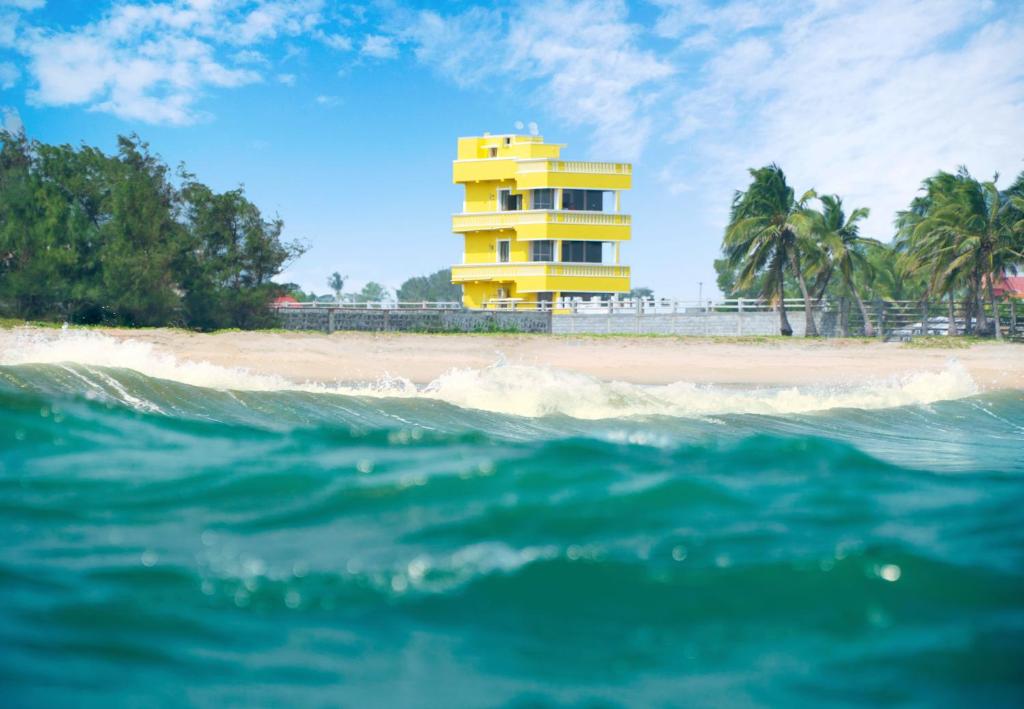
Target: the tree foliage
pixel 955 240
pixel 336 282
pixel 767 233
pixel 373 292
pixel 93 238
pixel 435 288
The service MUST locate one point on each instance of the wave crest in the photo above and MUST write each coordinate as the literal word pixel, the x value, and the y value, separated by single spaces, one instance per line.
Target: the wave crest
pixel 520 390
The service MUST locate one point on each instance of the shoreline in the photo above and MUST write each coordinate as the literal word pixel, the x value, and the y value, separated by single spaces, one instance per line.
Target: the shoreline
pixel 359 357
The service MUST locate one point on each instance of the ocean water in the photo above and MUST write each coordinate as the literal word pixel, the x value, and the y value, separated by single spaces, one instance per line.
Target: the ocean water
pixel 179 533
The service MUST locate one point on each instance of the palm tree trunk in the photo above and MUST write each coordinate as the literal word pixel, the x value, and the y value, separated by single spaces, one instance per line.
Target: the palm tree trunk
pixel 810 329
pixel 979 305
pixel 995 307
pixel 869 329
pixel 785 328
pixel 951 330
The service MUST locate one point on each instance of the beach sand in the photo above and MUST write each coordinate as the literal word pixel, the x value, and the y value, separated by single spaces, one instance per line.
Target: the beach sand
pixel 361 357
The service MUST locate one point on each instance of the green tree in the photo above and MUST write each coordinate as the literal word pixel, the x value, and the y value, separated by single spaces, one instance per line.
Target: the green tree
pixel 372 292
pixel 139 240
pixel 336 282
pixel 838 237
pixel 766 232
pixel 97 238
pixel 435 288
pixel 962 232
pixel 641 293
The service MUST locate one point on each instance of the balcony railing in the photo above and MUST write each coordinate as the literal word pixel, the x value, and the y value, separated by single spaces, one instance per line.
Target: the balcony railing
pixel 501 271
pixel 582 166
pixel 481 221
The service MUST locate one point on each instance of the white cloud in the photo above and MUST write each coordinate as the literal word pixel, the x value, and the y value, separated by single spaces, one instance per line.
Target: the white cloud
pixel 9 75
pixel 379 46
pixel 863 99
pixel 325 100
pixel 336 41
pixel 23 4
pixel 250 56
pixel 11 120
pixel 583 54
pixel 701 22
pixel 286 79
pixel 154 61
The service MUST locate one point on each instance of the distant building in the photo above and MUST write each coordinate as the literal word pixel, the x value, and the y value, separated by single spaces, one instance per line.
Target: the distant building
pixel 537 228
pixel 1008 287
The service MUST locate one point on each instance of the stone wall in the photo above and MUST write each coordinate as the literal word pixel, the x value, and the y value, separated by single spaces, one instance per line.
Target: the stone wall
pixel 330 319
pixel 708 324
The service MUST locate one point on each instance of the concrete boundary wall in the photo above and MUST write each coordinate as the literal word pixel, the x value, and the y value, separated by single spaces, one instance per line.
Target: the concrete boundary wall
pixel 700 324
pixel 708 324
pixel 331 319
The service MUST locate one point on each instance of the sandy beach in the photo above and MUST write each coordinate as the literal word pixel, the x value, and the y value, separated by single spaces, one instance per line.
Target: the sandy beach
pixel 359 357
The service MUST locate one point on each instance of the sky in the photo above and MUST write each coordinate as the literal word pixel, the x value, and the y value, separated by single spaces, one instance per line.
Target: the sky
pixel 342 117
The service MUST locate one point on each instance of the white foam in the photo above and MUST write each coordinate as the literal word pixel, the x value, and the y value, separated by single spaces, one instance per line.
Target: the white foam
pixel 504 388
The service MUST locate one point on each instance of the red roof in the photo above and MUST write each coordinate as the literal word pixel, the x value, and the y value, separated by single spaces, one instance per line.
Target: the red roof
pixel 284 299
pixel 1012 286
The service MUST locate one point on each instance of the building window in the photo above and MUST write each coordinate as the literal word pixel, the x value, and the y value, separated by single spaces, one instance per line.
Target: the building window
pixel 504 250
pixel 542 250
pixel 544 199
pixel 508 202
pixel 492 152
pixel 582 251
pixel 588 200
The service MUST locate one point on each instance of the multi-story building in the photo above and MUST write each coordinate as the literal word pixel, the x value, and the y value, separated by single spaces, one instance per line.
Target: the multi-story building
pixel 537 228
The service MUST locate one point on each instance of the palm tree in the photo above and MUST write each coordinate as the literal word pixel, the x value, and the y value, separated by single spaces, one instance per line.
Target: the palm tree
pixel 838 237
pixel 963 230
pixel 336 282
pixel 766 232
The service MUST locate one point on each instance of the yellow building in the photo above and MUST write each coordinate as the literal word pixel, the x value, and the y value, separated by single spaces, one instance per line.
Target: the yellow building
pixel 537 228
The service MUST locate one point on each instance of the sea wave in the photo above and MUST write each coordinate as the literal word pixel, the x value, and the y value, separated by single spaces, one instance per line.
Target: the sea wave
pixel 519 390
pixel 206 544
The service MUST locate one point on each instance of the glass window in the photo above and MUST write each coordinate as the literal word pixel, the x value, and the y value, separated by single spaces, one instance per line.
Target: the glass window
pixel 504 249
pixel 589 200
pixel 582 251
pixel 572 199
pixel 544 199
pixel 542 250
pixel 508 202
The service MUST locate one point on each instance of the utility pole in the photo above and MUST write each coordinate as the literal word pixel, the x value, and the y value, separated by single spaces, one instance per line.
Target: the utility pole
pixel 700 295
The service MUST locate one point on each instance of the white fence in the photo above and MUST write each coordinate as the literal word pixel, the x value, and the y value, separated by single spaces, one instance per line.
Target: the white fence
pixel 650 306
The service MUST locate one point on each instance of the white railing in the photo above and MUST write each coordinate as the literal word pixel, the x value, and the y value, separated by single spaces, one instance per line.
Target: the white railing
pixel 377 305
pixel 480 221
pixel 578 166
pixel 484 271
pixel 651 306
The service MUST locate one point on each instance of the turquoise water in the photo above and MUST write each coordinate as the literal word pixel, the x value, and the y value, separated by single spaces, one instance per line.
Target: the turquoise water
pixel 166 543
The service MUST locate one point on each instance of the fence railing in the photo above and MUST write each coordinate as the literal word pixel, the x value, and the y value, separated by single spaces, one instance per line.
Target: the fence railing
pixel 640 306
pixel 480 221
pixel 538 269
pixel 376 305
pixel 580 166
pixel 901 319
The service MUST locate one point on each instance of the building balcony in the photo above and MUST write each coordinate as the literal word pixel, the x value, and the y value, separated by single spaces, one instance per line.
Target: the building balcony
pixel 530 173
pixel 548 224
pixel 547 276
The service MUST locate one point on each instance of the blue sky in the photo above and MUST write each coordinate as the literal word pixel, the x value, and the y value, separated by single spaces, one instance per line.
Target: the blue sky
pixel 342 116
